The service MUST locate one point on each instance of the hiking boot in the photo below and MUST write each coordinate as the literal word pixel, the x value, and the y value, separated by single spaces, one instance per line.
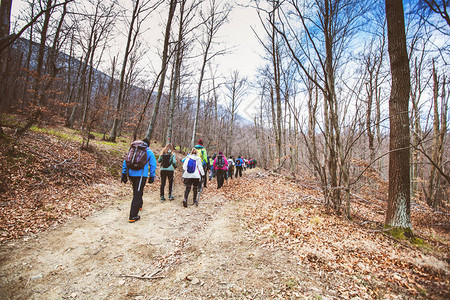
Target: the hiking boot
pixel 184 202
pixel 134 219
pixel 171 197
pixel 163 199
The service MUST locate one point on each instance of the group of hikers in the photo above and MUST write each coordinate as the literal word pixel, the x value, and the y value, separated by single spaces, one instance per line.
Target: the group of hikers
pixel 140 165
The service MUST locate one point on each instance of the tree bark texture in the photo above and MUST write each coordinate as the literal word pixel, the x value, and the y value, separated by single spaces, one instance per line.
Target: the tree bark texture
pixel 398 212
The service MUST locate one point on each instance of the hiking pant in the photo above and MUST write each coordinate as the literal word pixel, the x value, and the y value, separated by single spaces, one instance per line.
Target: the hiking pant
pixel 189 182
pixel 137 202
pixel 165 174
pixel 211 174
pixel 220 177
pixel 205 177
pixel 230 173
pixel 238 171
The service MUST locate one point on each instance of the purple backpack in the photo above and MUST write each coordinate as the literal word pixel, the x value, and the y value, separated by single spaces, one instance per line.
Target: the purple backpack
pixel 136 157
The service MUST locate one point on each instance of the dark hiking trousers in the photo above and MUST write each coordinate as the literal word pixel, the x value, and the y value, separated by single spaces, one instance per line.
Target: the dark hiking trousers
pixel 238 171
pixel 205 177
pixel 189 182
pixel 230 173
pixel 220 177
pixel 165 174
pixel 137 202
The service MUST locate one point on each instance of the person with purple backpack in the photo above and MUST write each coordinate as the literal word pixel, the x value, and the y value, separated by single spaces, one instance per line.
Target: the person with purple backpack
pixel 138 165
pixel 220 167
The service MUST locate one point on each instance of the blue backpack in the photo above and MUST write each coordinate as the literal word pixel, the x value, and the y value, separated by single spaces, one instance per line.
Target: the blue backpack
pixel 191 165
pixel 238 162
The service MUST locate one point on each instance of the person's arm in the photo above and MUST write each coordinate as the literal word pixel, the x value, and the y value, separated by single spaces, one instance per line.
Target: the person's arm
pixel 124 178
pixel 185 163
pixel 200 167
pixel 124 167
pixel 152 164
pixel 205 156
pixel 174 161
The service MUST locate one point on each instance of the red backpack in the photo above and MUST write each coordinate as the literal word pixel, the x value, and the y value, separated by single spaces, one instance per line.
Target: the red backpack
pixel 136 157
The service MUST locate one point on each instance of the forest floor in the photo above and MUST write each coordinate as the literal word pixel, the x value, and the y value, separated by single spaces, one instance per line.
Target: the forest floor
pixel 65 235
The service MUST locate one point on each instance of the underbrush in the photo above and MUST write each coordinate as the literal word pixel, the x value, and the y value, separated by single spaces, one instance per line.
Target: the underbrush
pixel 358 256
pixel 47 179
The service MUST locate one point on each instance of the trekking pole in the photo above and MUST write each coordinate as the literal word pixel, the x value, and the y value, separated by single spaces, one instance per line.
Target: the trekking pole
pixel 140 180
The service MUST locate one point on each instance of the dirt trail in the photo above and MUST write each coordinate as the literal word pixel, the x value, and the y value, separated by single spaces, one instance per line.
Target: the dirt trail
pixel 195 252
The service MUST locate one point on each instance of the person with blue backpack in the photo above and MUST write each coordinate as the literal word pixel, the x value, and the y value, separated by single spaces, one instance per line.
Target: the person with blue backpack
pixel 138 165
pixel 193 172
pixel 204 158
pixel 239 163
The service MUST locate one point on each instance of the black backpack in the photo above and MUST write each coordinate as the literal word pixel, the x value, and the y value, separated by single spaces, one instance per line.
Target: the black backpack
pixel 220 162
pixel 166 160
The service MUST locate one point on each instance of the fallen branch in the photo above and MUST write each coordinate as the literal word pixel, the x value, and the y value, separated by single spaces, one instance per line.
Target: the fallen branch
pixel 151 276
pixel 63 162
pixel 143 277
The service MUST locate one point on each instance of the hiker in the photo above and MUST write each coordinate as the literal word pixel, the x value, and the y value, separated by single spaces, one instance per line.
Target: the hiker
pixel 221 168
pixel 168 163
pixel 193 172
pixel 138 165
pixel 211 171
pixel 230 167
pixel 254 163
pixel 238 163
pixel 204 158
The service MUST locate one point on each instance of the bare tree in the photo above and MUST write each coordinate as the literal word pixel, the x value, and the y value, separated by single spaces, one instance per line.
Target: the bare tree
pixel 140 12
pixel 215 18
pixel 327 27
pixel 5 16
pixel 164 64
pixel 236 90
pixel 100 23
pixel 398 213
pixel 186 16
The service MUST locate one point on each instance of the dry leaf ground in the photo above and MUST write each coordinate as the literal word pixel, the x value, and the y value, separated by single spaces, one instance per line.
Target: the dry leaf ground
pixel 263 236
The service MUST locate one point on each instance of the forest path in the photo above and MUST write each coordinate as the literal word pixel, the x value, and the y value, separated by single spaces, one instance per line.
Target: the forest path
pixel 195 252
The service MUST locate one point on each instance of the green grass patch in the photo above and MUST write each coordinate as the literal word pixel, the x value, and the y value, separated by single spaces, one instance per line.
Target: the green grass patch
pixel 72 136
pixel 400 233
pixel 9 120
pixel 406 234
pixel 291 283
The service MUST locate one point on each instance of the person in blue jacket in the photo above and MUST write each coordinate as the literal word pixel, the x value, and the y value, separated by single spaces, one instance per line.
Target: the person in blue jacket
pixel 138 178
pixel 239 163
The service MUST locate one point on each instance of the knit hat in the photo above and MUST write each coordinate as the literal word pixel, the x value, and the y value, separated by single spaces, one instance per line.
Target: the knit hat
pixel 200 142
pixel 220 152
pixel 146 141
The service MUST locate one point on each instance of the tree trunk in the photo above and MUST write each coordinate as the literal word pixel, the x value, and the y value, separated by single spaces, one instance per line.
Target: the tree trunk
pixel 5 17
pixel 398 211
pixel 113 134
pixel 164 63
